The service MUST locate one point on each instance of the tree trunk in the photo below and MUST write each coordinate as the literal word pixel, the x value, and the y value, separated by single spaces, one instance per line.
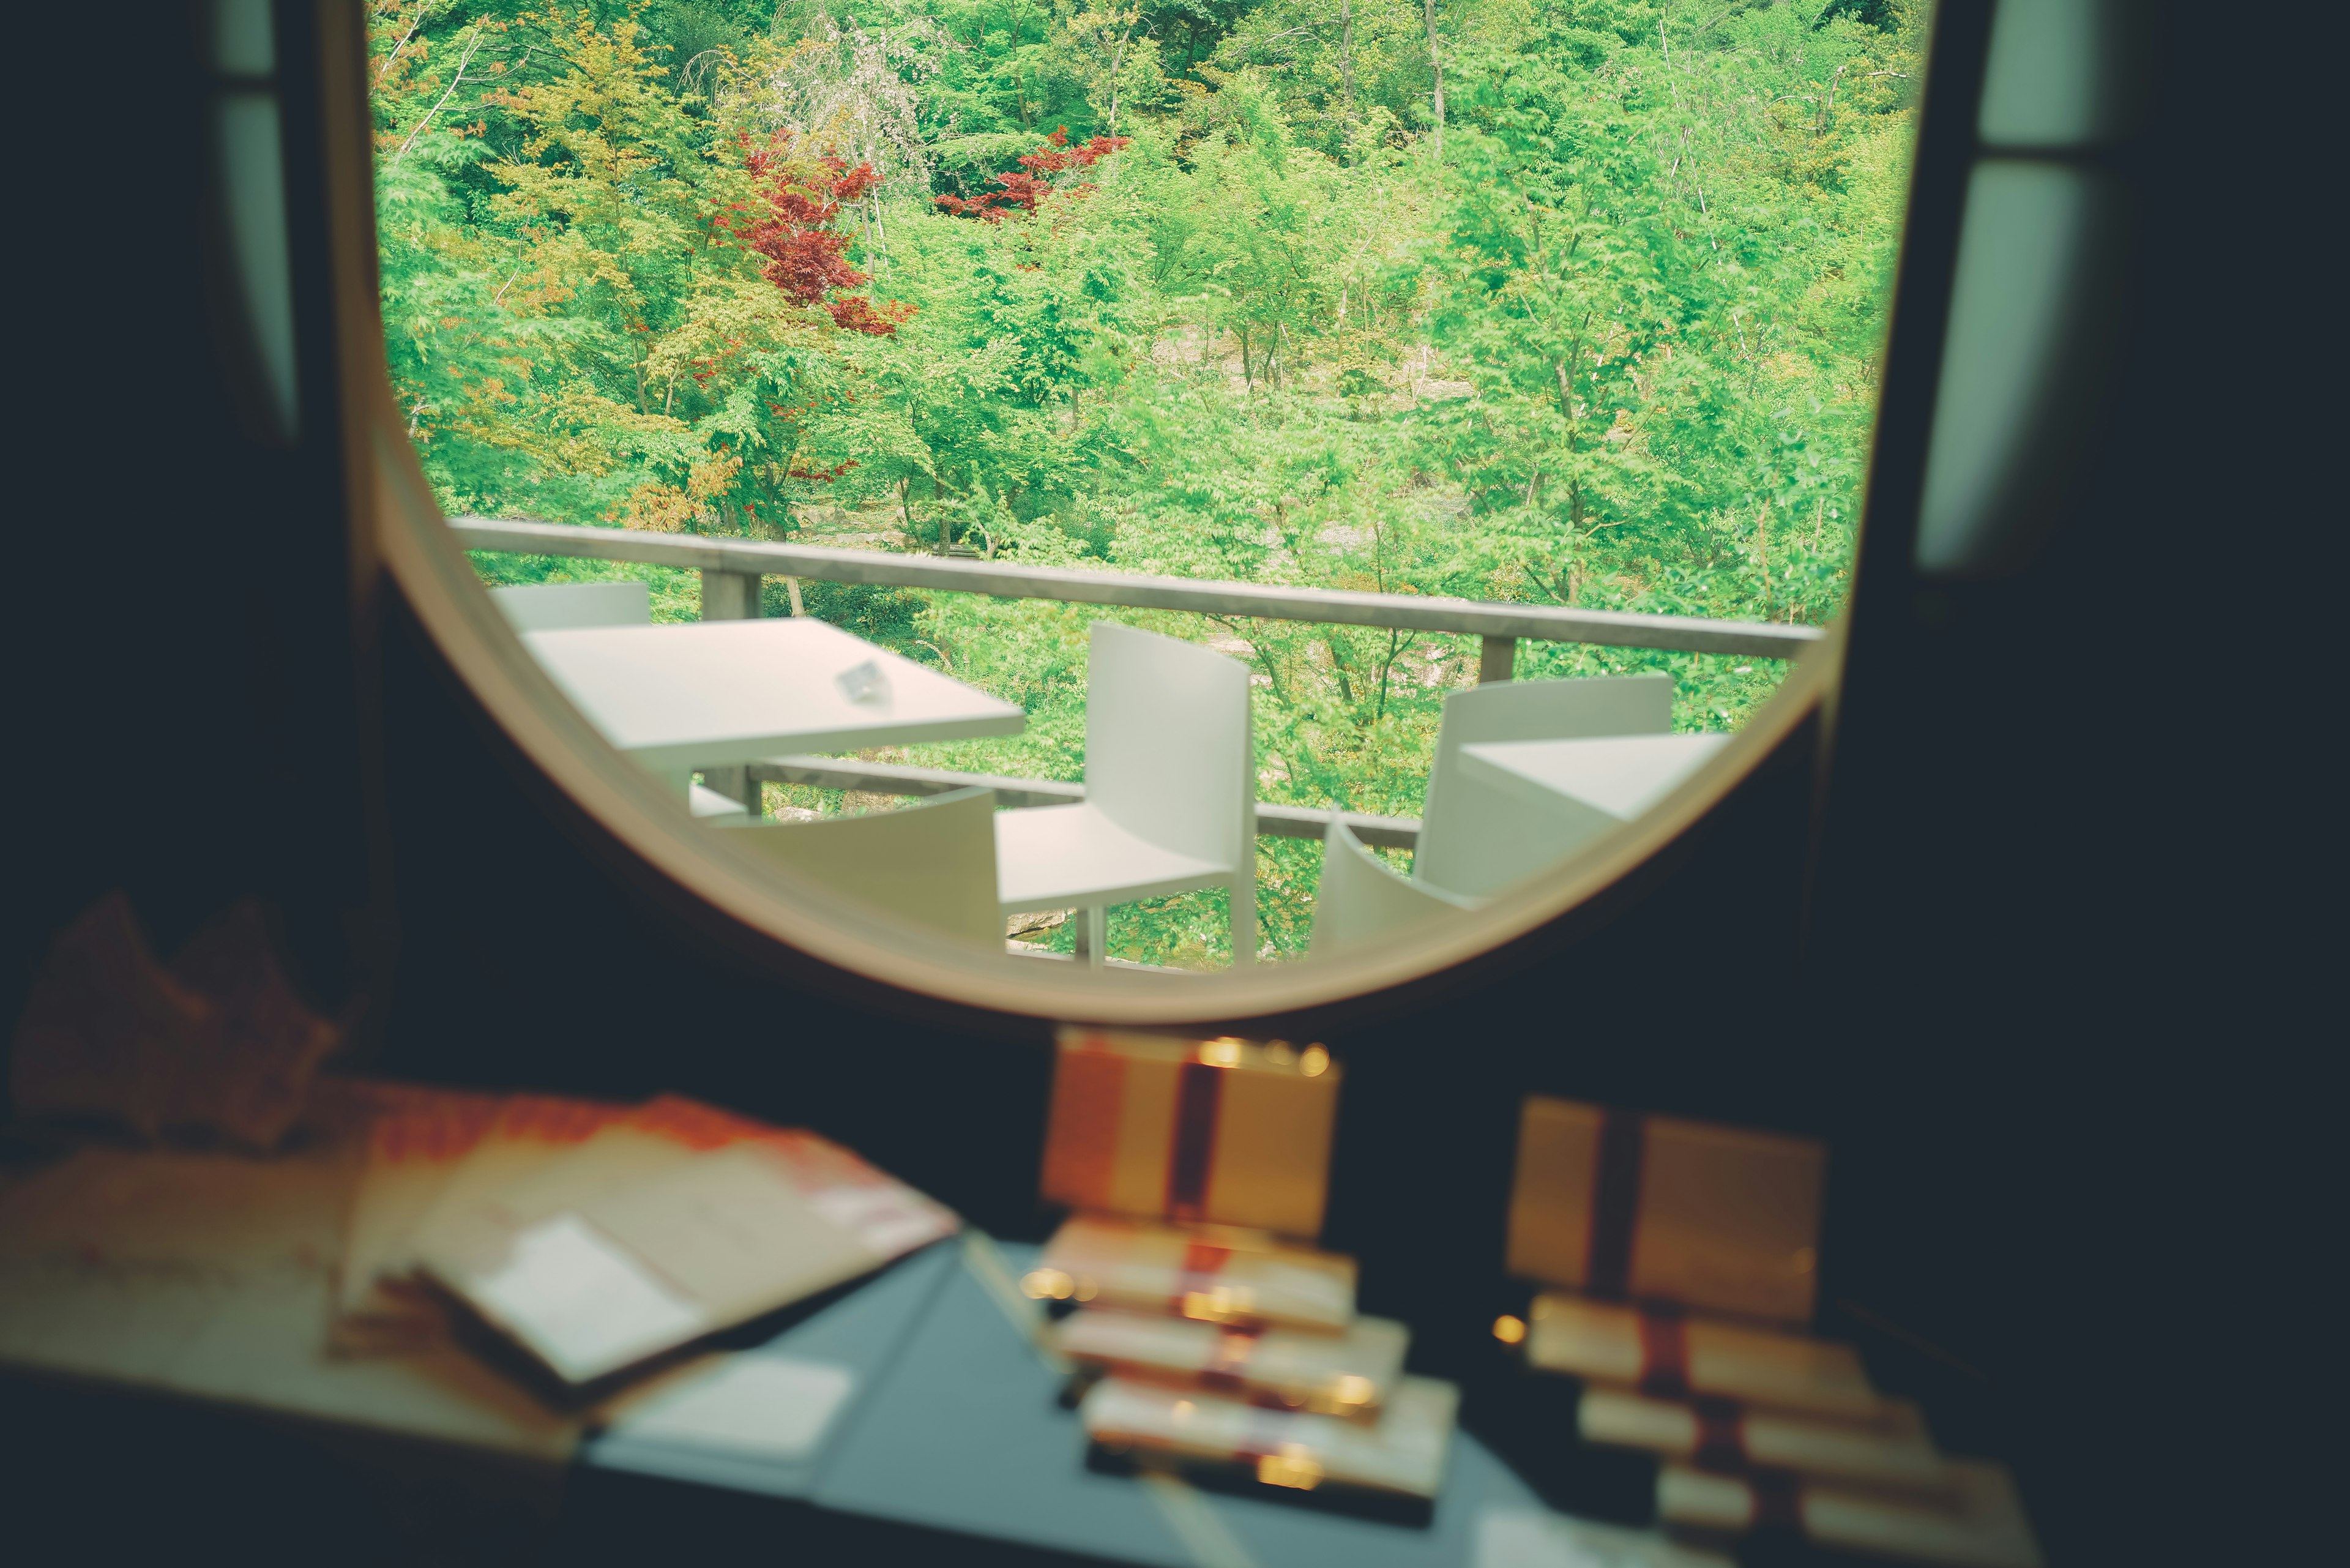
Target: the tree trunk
pixel 1338 667
pixel 1436 67
pixel 1117 59
pixel 1346 65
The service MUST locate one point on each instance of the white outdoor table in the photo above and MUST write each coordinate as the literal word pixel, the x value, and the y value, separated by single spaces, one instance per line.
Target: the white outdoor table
pixel 721 693
pixel 1599 782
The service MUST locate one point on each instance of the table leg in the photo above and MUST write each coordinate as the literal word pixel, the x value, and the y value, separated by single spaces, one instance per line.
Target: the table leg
pixel 1092 936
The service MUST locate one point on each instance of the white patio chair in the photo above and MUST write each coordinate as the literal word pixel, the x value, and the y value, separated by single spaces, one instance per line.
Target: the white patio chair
pixel 1361 898
pixel 563 606
pixel 931 864
pixel 1474 838
pixel 560 607
pixel 1170 793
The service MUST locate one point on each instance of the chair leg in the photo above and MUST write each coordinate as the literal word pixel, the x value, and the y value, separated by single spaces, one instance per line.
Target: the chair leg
pixel 1243 896
pixel 1092 935
pixel 735 784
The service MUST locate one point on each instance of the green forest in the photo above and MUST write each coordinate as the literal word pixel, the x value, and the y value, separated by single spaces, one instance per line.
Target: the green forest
pixel 1563 301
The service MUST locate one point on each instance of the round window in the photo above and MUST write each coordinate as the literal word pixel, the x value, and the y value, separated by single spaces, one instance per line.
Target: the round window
pixel 1211 523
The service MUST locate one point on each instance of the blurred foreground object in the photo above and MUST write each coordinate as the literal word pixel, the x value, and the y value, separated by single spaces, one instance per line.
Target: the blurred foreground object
pixel 1229 1131
pixel 206 1274
pixel 1892 1450
pixel 598 1236
pixel 1400 1458
pixel 414 1148
pixel 1217 1274
pixel 1981 1525
pixel 1657 1209
pixel 1745 1425
pixel 218 1043
pixel 1226 1351
pixel 1669 1356
pixel 1349 1374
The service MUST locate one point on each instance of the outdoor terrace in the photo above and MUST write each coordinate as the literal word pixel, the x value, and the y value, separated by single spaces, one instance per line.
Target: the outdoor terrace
pixel 732 569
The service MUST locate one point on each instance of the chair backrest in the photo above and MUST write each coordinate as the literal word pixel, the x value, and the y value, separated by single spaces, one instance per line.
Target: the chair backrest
pixel 1361 900
pixel 560 607
pixel 1169 756
pixel 930 864
pixel 1474 838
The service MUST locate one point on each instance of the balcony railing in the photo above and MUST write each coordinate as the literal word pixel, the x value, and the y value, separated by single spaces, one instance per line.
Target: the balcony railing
pixel 731 570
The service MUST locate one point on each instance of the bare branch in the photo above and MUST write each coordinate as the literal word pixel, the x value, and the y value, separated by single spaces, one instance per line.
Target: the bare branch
pixel 472 44
pixel 413 23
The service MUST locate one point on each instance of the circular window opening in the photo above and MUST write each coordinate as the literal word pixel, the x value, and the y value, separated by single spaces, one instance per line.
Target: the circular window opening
pixel 1262 515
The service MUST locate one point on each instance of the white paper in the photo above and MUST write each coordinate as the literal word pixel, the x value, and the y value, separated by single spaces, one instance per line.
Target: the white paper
pixel 773 1406
pixel 1527 1537
pixel 582 1303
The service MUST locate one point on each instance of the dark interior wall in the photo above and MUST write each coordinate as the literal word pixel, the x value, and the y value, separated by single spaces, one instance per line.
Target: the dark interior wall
pixel 2065 984
pixel 2024 983
pixel 185 693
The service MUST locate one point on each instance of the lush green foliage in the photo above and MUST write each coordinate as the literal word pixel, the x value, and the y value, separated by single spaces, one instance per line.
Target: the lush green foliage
pixel 687 266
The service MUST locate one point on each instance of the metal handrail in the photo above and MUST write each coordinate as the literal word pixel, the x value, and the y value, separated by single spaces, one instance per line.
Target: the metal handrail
pixel 897 778
pixel 1495 622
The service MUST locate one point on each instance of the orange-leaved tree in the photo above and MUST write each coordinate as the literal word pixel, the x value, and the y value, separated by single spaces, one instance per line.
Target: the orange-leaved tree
pixel 609 299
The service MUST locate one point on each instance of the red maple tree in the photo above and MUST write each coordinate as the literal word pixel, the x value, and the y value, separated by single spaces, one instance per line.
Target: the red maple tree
pixel 805 254
pixel 1026 187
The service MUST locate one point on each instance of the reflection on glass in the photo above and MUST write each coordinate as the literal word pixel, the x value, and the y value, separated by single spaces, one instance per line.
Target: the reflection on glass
pixel 251 159
pixel 1216 307
pixel 243 41
pixel 2053 71
pixel 2023 261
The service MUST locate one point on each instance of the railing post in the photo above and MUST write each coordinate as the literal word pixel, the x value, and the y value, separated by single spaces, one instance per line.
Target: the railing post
pixel 1497 657
pixel 731 596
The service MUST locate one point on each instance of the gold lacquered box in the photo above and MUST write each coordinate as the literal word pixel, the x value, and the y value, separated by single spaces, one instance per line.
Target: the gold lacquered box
pixel 1209 1273
pixel 1346 1374
pixel 1228 1131
pixel 1661 1210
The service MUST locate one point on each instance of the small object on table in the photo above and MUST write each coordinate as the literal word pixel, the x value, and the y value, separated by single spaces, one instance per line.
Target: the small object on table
pixel 218 1043
pixel 1981 1526
pixel 1400 1458
pixel 1667 1355
pixel 1658 1209
pixel 1349 1374
pixel 1229 1131
pixel 865 682
pixel 272 1045
pixel 1213 1273
pixel 1892 1451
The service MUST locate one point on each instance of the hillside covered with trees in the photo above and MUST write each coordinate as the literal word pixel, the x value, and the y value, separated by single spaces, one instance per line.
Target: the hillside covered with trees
pixel 1557 301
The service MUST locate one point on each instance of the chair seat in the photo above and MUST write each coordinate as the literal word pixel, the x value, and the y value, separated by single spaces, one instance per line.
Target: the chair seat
pixel 1063 857
pixel 709 806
